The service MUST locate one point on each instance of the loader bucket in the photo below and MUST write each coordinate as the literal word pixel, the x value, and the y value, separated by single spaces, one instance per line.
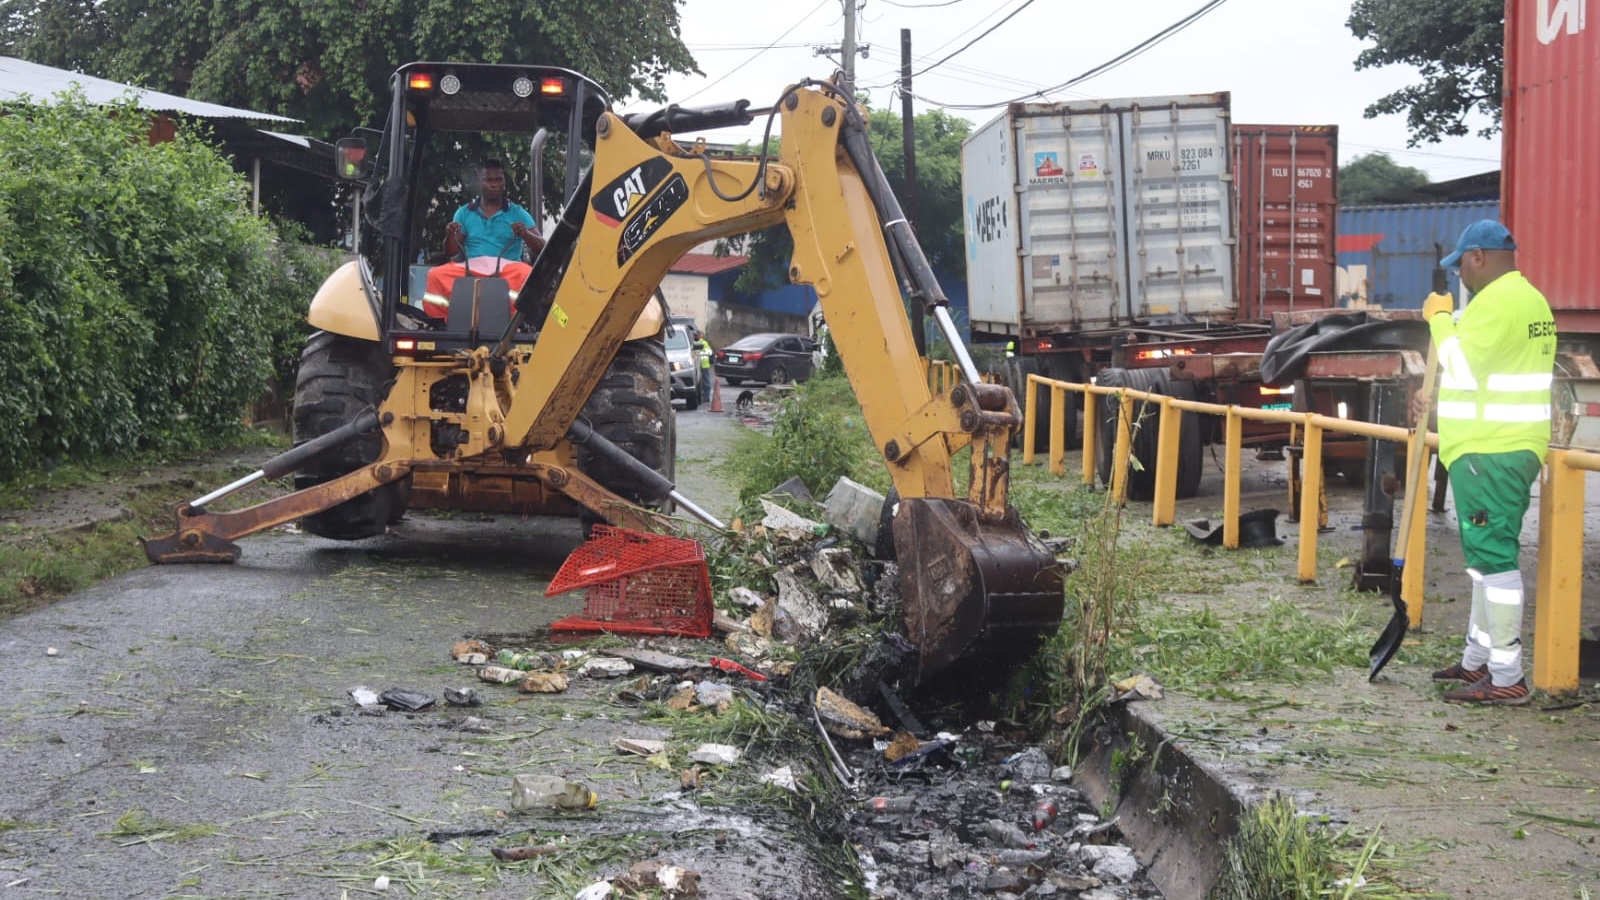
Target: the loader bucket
pixel 974 591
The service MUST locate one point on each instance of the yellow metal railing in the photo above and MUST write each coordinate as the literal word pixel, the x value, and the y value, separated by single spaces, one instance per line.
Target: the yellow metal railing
pixel 1559 593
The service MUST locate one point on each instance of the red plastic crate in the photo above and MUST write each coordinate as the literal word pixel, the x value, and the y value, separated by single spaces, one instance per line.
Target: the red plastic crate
pixel 637 583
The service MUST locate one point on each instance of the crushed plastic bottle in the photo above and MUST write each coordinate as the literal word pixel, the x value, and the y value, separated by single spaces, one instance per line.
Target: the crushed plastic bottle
pixel 549 792
pixel 1043 814
pixel 889 805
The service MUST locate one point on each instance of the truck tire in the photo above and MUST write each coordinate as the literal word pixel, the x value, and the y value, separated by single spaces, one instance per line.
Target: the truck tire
pixel 1142 478
pixel 632 408
pixel 339 377
pixel 1062 368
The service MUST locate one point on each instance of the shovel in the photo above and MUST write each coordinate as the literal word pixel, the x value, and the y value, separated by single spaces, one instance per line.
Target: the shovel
pixel 1388 643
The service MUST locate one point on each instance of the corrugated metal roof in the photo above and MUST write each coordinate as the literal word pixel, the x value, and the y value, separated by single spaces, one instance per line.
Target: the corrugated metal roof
pixel 21 79
pixel 705 264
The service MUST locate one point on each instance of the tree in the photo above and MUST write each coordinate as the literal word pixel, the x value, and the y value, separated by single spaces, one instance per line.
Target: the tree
pixel 1367 178
pixel 939 221
pixel 1458 47
pixel 328 63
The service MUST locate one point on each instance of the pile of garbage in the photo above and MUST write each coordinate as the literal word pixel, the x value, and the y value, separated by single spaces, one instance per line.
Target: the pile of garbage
pixel 957 808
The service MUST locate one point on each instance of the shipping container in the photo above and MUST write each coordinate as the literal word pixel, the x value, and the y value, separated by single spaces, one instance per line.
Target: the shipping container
pixel 1097 214
pixel 1552 126
pixel 1286 184
pixel 1387 254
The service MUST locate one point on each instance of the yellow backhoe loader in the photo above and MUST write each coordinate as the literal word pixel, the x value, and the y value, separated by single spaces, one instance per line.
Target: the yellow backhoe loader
pixel 559 402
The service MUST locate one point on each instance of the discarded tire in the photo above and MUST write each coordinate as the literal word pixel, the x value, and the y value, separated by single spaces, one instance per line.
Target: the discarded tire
pixel 339 377
pixel 1147 432
pixel 632 408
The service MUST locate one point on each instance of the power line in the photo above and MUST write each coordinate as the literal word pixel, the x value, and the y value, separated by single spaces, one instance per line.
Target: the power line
pixel 921 5
pixel 986 33
pixel 1376 149
pixel 1101 69
pixel 758 53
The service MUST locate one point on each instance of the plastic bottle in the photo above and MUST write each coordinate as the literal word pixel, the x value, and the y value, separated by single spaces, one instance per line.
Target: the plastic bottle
pixel 524 661
pixel 549 792
pixel 1043 814
pixel 886 805
pixel 501 675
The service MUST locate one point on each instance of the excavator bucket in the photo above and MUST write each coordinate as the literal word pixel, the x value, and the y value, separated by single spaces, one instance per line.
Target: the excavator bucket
pixel 974 591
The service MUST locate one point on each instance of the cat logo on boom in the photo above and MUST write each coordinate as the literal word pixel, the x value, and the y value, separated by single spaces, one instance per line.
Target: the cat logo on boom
pixel 613 202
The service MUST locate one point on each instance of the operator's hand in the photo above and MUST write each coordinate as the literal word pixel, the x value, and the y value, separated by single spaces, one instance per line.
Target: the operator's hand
pixel 1436 304
pixel 1421 406
pixel 520 230
pixel 453 229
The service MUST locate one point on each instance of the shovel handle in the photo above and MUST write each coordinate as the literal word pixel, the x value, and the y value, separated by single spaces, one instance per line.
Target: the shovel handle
pixel 1416 449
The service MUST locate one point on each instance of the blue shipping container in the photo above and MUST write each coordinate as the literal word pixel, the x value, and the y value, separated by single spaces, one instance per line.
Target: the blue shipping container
pixel 1387 255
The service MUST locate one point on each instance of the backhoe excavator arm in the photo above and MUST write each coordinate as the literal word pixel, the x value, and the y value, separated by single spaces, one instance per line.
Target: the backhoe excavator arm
pixel 974 582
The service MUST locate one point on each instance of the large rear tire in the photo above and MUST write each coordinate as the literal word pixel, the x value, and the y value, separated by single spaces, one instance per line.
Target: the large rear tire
pixel 632 408
pixel 338 378
pixel 1142 478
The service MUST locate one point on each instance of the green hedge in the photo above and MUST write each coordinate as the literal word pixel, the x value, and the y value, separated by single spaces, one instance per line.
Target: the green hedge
pixel 142 306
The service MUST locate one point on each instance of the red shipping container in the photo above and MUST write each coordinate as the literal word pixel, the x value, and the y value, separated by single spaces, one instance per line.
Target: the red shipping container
pixel 1286 187
pixel 1551 180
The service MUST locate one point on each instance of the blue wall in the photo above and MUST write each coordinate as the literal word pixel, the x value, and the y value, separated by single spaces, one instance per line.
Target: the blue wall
pixel 1395 245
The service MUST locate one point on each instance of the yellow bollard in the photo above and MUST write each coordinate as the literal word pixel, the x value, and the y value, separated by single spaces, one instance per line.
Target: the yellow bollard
pixel 1058 430
pixel 1416 545
pixel 1164 509
pixel 1030 420
pixel 1091 437
pixel 1233 458
pixel 1310 487
pixel 1119 454
pixel 1559 597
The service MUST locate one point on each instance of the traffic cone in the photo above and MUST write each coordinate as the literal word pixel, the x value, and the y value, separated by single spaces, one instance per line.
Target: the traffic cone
pixel 716 395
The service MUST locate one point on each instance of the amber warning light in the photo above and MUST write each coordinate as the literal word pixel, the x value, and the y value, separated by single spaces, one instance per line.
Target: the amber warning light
pixel 420 81
pixel 552 87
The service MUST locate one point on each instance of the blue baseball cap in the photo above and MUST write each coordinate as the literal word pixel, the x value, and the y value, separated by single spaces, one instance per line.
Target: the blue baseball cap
pixel 1484 234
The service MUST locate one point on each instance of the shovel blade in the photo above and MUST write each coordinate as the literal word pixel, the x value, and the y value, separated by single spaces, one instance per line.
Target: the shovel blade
pixel 975 591
pixel 1394 634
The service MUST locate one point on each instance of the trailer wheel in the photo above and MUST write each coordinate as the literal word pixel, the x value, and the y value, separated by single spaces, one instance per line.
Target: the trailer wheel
pixel 1142 478
pixel 339 377
pixel 632 408
pixel 1017 377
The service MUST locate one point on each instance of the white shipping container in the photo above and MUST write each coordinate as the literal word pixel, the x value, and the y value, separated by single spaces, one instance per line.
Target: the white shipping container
pixel 1098 214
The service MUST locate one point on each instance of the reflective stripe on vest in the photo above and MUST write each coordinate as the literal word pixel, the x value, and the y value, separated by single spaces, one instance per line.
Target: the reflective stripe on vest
pixel 1454 373
pixel 1495 412
pixel 1532 381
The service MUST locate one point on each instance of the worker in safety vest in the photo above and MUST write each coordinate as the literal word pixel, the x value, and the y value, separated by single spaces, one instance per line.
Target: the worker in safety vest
pixel 708 378
pixel 1495 364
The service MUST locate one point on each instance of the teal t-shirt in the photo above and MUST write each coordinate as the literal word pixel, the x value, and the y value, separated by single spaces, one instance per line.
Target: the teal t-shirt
pixel 491 235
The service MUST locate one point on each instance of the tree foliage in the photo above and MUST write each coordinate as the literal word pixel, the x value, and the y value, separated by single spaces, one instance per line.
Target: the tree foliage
pixel 1458 48
pixel 938 217
pixel 1372 176
pixel 141 304
pixel 328 63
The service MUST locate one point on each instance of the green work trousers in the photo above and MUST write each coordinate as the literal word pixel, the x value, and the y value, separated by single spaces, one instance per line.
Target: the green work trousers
pixel 1491 491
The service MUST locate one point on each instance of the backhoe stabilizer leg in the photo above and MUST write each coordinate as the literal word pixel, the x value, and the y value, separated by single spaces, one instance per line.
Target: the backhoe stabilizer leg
pixel 974 589
pixel 202 536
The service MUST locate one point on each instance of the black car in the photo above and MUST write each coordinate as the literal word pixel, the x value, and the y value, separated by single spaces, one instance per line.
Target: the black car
pixel 772 358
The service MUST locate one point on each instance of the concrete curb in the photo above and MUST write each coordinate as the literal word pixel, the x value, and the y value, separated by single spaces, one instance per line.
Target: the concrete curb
pixel 1175 809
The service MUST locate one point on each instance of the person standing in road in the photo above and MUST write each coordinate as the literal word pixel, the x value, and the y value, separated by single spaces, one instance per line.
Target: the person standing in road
pixel 708 379
pixel 1495 364
pixel 494 231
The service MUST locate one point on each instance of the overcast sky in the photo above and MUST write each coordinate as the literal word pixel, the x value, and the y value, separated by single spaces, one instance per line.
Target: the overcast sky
pixel 1284 61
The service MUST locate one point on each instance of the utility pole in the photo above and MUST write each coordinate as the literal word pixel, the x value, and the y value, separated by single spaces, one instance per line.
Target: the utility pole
pixel 848 49
pixel 908 203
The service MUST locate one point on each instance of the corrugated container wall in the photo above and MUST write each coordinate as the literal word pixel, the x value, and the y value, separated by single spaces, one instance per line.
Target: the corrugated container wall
pixel 1551 183
pixel 1286 181
pixel 1088 215
pixel 1387 253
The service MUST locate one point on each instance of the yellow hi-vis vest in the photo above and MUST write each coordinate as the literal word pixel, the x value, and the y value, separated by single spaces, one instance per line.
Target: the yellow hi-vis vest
pixel 1495 370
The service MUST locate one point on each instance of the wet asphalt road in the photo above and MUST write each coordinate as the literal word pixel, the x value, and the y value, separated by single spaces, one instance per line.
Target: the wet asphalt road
pixel 193 735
